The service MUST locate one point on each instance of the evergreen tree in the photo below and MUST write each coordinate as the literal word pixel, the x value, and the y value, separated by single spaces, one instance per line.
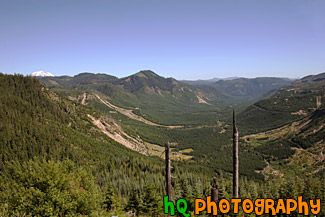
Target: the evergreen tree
pixel 135 203
pixel 151 201
pixel 110 201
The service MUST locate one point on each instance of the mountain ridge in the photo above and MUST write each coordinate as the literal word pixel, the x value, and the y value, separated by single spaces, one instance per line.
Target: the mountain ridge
pixel 150 82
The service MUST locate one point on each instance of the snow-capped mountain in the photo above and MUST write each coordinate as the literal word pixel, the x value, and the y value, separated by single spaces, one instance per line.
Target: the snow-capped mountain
pixel 42 74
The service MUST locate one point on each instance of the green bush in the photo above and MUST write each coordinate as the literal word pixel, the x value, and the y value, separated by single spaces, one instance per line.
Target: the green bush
pixel 41 188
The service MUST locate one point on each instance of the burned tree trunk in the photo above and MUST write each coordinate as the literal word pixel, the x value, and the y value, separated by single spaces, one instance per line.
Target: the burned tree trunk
pixel 214 192
pixel 235 158
pixel 168 175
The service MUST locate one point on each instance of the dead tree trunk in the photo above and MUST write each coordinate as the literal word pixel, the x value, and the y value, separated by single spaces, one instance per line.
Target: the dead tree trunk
pixel 168 175
pixel 214 192
pixel 235 158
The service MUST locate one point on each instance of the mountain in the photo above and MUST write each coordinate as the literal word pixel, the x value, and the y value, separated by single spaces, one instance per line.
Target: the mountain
pixel 42 74
pixel 161 100
pixel 165 100
pixel 139 83
pixel 292 102
pixel 147 80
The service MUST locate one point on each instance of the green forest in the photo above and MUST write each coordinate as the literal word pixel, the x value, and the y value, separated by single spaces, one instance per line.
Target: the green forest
pixel 56 162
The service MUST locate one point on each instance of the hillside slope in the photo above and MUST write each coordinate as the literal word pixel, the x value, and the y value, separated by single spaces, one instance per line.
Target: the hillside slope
pixel 295 150
pixel 292 102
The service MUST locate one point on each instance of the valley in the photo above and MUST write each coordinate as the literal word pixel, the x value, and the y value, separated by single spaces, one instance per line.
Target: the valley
pixel 144 106
pixel 116 129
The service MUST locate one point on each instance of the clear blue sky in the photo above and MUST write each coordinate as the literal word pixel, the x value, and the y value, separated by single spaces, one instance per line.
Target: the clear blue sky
pixel 185 39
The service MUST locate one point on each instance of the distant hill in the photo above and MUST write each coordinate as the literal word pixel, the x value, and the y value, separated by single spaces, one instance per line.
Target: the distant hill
pixel 255 87
pixel 207 81
pixel 77 80
pixel 239 91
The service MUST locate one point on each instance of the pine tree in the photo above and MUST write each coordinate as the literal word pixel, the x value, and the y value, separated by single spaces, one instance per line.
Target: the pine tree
pixel 135 203
pixel 110 199
pixel 151 202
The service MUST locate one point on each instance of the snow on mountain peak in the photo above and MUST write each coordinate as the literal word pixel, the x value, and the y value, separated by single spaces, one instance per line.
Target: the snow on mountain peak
pixel 42 74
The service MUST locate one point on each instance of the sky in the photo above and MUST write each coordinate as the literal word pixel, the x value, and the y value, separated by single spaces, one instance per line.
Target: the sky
pixel 184 39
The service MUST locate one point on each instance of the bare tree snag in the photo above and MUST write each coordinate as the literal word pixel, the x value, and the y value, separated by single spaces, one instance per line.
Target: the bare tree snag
pixel 235 158
pixel 168 174
pixel 214 191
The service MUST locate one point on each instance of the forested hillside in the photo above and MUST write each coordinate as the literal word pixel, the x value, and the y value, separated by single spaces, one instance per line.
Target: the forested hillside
pixel 292 102
pixel 301 142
